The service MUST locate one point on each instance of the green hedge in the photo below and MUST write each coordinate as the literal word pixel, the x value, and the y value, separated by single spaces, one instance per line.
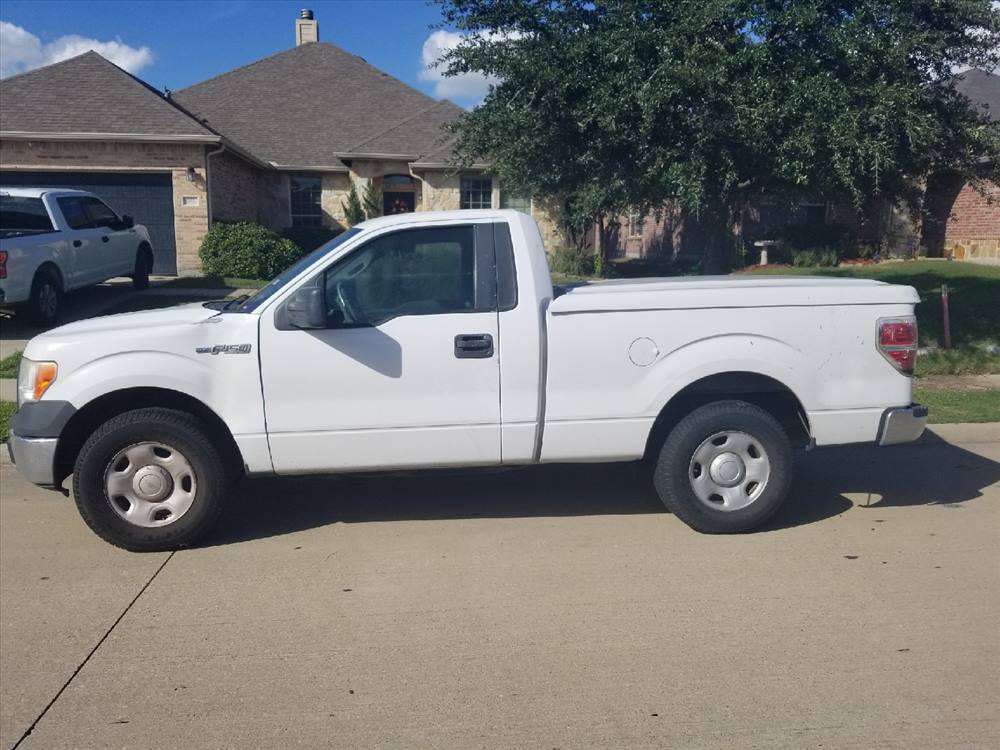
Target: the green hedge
pixel 246 250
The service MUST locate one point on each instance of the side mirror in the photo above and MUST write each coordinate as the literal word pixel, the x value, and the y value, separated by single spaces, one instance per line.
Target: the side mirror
pixel 127 222
pixel 307 308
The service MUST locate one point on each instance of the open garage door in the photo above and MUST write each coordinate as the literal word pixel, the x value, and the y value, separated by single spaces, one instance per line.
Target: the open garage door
pixel 146 197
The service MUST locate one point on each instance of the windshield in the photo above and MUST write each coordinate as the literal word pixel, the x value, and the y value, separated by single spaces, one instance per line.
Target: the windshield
pixel 21 215
pixel 252 303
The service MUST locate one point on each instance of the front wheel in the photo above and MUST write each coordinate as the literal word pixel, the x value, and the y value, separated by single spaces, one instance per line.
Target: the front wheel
pixel 150 480
pixel 725 468
pixel 140 274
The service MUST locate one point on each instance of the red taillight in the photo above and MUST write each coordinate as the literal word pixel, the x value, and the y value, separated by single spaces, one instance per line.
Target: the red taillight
pixel 897 341
pixel 3 264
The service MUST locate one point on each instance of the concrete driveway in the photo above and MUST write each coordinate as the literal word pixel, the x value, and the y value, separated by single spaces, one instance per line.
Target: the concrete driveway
pixel 552 607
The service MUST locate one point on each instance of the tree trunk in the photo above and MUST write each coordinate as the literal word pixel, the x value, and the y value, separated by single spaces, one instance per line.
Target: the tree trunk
pixel 715 224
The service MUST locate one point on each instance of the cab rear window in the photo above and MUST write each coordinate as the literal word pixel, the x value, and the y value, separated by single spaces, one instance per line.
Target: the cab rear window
pixel 20 215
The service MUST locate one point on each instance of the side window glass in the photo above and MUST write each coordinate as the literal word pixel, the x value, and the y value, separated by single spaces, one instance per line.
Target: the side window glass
pixel 412 272
pixel 100 214
pixel 74 213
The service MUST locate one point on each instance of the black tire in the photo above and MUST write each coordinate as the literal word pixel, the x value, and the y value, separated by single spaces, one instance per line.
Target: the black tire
pixel 143 263
pixel 676 465
pixel 182 433
pixel 45 302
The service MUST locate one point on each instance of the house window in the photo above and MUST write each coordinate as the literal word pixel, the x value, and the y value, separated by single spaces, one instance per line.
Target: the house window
pixel 515 201
pixel 305 200
pixel 635 224
pixel 476 192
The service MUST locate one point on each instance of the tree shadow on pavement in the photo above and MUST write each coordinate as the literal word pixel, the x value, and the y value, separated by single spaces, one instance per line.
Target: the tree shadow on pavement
pixel 931 472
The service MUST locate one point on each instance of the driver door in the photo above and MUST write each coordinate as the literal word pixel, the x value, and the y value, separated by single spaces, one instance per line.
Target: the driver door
pixel 406 372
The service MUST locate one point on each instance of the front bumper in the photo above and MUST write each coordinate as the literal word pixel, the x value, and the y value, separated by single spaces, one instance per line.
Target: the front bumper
pixel 35 458
pixel 902 424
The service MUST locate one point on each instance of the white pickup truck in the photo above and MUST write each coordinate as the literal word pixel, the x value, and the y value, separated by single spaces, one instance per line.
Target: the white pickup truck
pixel 54 241
pixel 437 340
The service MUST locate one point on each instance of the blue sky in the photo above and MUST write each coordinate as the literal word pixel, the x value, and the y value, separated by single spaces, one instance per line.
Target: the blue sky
pixel 175 43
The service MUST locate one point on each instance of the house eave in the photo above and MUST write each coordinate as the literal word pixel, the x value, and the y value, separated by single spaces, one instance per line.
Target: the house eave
pixel 383 157
pixel 306 167
pixel 26 135
pixel 446 165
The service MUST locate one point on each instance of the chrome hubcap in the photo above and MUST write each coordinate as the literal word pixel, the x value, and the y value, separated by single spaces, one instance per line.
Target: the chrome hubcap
pixel 150 484
pixel 729 470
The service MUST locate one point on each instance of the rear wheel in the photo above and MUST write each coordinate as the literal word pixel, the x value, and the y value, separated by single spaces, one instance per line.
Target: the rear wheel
pixel 46 297
pixel 725 468
pixel 150 480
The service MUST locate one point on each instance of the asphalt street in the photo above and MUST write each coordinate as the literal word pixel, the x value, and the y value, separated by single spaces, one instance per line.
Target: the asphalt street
pixel 550 607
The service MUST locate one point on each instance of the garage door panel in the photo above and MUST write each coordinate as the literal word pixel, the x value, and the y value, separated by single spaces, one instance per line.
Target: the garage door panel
pixel 146 197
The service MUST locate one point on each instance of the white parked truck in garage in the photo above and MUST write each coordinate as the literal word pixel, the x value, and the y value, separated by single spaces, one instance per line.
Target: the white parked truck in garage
pixel 53 241
pixel 438 340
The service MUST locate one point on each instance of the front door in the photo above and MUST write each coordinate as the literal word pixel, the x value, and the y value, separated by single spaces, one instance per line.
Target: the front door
pixel 398 203
pixel 406 372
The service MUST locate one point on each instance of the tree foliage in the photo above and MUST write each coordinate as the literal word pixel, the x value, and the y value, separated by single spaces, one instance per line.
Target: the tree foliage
pixel 354 212
pixel 372 200
pixel 624 104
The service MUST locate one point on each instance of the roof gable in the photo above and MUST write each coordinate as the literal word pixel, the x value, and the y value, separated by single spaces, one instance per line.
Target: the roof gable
pixel 60 99
pixel 982 89
pixel 312 104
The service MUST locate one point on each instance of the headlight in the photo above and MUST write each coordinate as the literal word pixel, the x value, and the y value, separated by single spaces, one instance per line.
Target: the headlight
pixel 33 379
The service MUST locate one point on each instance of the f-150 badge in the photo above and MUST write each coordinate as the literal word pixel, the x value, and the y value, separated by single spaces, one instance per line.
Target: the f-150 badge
pixel 224 349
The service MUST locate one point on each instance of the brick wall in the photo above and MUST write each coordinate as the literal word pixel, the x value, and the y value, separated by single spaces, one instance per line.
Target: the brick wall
pixel 190 221
pixel 234 188
pixel 973 229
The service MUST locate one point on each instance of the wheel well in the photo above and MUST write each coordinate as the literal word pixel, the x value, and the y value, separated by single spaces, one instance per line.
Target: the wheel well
pixel 769 394
pixel 83 424
pixel 49 267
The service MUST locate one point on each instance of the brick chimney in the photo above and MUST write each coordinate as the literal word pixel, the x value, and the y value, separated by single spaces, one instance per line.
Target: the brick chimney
pixel 306 28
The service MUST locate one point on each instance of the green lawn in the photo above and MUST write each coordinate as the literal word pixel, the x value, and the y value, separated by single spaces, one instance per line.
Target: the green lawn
pixel 974 302
pixel 8 365
pixel 7 409
pixel 214 282
pixel 960 406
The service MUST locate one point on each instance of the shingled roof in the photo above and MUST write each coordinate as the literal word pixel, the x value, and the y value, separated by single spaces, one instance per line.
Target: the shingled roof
pixel 60 100
pixel 315 104
pixel 982 89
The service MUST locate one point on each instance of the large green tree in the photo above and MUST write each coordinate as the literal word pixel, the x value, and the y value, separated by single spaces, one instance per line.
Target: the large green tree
pixel 625 104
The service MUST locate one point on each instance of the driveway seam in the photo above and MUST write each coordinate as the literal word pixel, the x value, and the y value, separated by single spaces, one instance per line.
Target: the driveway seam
pixel 93 651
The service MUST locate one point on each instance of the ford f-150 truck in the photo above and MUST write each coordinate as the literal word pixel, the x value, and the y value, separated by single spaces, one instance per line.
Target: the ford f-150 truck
pixel 438 340
pixel 53 241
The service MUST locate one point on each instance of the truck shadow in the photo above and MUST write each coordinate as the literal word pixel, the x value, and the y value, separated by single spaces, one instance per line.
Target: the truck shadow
pixel 828 483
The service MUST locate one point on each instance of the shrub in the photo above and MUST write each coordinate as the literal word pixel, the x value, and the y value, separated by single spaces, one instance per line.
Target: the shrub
pixel 571 261
pixel 354 212
pixel 820 256
pixel 246 250
pixel 309 238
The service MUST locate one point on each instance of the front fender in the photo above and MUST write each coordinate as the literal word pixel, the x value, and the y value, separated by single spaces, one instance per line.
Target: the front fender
pixel 206 380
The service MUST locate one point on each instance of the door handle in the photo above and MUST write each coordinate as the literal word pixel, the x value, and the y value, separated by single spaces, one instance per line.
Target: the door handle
pixel 473 346
pixel 104 238
pixel 77 243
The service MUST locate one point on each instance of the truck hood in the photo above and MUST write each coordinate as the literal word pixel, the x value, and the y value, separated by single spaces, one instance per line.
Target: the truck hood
pixel 182 315
pixel 126 331
pixel 692 292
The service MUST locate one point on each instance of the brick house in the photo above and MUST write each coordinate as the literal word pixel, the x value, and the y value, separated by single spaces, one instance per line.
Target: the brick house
pixel 279 141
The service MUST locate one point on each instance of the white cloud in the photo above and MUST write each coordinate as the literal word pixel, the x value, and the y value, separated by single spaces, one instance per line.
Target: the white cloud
pixel 20 50
pixel 462 86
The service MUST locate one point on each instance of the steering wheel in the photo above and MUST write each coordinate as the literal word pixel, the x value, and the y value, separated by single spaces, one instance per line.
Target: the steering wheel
pixel 349 304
